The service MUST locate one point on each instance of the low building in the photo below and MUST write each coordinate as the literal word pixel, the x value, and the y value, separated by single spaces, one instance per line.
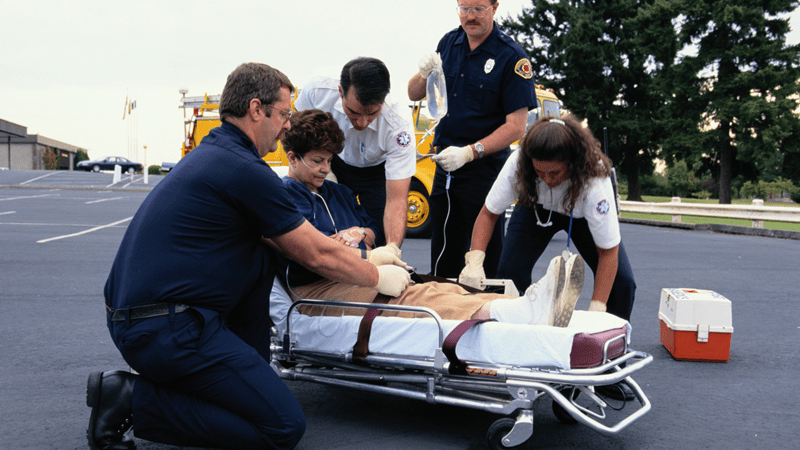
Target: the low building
pixel 22 151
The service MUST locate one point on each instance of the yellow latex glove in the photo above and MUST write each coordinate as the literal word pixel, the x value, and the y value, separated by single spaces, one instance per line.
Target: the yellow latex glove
pixel 473 274
pixel 597 305
pixel 386 255
pixel 392 280
pixel 453 158
pixel 427 63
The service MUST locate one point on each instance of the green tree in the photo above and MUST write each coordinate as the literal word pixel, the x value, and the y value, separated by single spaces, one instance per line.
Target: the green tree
pixel 590 53
pixel 681 180
pixel 80 155
pixel 746 75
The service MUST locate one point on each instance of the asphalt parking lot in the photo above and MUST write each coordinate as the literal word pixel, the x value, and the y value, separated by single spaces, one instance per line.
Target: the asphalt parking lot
pixel 59 232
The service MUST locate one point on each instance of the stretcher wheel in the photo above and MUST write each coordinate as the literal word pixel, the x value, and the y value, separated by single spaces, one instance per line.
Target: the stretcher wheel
pixel 500 428
pixel 561 414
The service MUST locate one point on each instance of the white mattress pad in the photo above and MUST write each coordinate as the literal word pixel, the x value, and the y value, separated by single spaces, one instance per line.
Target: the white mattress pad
pixel 490 342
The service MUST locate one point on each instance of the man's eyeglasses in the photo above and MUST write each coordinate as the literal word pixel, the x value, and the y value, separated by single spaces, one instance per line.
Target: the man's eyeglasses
pixel 284 113
pixel 479 11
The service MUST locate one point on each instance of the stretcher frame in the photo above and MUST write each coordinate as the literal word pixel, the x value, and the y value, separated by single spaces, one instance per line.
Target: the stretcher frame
pixel 493 388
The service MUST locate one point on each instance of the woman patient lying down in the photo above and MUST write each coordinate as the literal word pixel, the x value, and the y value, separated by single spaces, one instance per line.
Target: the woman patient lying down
pixel 310 145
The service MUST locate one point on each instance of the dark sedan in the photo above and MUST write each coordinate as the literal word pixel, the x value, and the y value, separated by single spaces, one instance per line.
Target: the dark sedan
pixel 109 163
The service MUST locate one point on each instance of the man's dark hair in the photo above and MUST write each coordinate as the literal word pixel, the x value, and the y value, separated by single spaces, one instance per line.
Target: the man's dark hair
pixel 370 79
pixel 249 81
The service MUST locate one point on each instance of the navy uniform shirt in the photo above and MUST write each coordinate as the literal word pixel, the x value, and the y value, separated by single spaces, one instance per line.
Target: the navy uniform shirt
pixel 483 86
pixel 195 238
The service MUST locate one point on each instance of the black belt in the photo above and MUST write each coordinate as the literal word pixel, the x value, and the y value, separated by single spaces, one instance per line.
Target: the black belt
pixel 146 311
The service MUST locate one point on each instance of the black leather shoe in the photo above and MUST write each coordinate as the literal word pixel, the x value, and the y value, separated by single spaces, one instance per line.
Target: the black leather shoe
pixel 109 394
pixel 618 391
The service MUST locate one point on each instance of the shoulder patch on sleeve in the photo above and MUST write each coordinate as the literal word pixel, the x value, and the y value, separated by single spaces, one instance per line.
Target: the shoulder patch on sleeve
pixel 603 207
pixel 403 139
pixel 523 68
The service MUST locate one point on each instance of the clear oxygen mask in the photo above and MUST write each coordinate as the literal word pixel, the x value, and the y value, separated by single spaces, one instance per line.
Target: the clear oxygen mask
pixel 437 93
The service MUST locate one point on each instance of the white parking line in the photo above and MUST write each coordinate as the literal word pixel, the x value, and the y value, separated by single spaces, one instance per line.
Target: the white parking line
pixel 7 212
pixel 43 241
pixel 39 178
pixel 103 200
pixel 26 196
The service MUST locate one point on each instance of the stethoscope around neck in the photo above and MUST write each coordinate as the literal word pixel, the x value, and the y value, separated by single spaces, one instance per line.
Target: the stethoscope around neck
pixel 549 223
pixel 550 216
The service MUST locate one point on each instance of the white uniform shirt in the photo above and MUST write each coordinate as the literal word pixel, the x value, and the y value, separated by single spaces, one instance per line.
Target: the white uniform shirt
pixel 388 138
pixel 596 203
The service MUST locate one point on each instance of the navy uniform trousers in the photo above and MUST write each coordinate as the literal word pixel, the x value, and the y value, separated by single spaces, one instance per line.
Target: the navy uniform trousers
pixel 203 385
pixel 454 208
pixel 525 242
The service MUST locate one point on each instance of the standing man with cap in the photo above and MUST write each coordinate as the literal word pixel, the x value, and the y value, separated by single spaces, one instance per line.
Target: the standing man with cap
pixel 379 156
pixel 489 92
pixel 187 298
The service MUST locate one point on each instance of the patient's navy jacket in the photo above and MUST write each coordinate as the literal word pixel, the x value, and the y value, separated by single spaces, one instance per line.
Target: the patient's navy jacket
pixel 333 209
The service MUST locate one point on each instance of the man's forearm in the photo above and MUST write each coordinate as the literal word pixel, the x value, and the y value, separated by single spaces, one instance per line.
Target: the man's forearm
pixel 322 255
pixel 417 87
pixel 512 130
pixel 395 215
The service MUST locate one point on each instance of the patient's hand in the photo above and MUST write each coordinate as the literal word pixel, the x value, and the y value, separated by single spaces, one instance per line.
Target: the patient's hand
pixel 351 236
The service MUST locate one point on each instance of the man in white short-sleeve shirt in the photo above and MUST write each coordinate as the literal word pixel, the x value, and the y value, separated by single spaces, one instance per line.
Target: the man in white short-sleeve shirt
pixel 379 156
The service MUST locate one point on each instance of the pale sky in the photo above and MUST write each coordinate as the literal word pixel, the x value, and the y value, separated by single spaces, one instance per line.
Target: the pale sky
pixel 67 67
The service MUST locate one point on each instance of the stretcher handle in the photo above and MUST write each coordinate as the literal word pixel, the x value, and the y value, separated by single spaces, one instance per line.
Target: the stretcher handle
pixel 402 308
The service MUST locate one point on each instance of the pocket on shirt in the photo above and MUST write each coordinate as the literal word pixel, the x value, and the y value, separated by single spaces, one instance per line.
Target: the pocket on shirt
pixel 482 94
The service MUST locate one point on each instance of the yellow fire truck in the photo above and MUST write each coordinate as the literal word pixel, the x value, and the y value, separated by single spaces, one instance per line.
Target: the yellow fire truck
pixel 205 116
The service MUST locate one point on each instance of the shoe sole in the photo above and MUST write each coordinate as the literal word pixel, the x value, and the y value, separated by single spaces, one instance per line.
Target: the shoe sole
pixel 557 268
pixel 560 280
pixel 93 387
pixel 565 303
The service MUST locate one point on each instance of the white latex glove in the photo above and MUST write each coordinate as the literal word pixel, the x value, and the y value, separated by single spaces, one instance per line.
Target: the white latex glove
pixel 473 274
pixel 385 255
pixel 392 280
pixel 427 63
pixel 453 158
pixel 597 305
pixel 395 249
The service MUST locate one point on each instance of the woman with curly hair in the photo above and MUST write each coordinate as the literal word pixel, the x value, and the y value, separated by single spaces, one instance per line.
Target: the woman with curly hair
pixel 332 208
pixel 560 180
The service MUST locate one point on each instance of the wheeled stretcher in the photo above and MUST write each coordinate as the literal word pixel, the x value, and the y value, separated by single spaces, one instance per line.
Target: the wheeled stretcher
pixel 495 367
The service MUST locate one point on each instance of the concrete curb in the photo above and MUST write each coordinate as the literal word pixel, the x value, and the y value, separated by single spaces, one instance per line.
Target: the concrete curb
pixel 717 228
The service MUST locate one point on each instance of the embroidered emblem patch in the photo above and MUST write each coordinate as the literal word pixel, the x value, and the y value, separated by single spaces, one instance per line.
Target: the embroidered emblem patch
pixel 524 69
pixel 403 139
pixel 603 207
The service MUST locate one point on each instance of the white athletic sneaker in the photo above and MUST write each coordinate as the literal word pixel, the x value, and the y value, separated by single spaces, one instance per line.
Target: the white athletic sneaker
pixel 544 293
pixel 565 304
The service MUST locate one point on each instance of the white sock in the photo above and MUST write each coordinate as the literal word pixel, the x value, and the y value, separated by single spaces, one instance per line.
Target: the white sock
pixel 511 310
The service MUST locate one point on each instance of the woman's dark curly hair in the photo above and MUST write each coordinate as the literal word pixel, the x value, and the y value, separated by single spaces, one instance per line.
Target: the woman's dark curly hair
pixel 570 143
pixel 313 129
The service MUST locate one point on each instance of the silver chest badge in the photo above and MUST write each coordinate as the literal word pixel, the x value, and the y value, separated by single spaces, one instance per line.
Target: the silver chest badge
pixel 489 65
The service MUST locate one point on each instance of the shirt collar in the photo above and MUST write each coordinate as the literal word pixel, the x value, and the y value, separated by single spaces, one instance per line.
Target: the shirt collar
pixel 339 107
pixel 487 45
pixel 244 140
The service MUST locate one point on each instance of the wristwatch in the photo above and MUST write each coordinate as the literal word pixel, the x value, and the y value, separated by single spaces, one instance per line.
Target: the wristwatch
pixel 479 149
